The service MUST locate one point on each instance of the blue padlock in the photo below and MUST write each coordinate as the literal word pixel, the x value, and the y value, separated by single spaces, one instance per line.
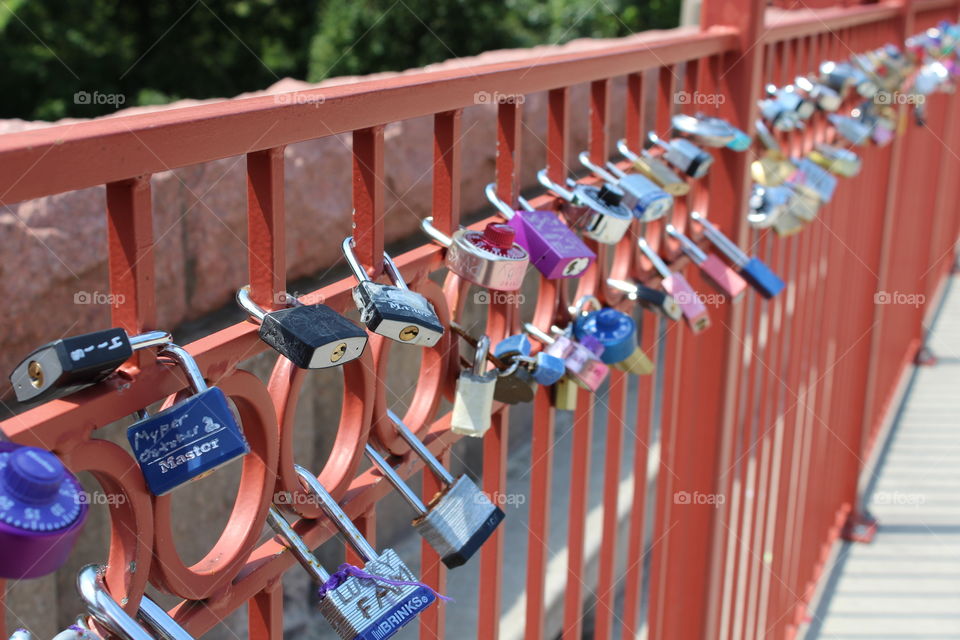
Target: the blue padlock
pixel 189 439
pixel 548 368
pixel 617 332
pixel 515 345
pixel 753 269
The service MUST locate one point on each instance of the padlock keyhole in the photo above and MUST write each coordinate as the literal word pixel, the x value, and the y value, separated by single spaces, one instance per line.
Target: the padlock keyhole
pixel 35 371
pixel 338 352
pixel 409 333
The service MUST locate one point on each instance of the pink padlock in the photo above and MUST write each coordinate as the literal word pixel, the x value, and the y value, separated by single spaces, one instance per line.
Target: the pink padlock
pixel 580 358
pixel 694 312
pixel 717 272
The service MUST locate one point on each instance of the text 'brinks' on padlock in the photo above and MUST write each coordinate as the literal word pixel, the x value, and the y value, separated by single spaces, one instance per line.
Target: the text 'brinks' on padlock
pixel 190 438
pixel 392 310
pixel 715 270
pixel 694 312
pixel 151 621
pixel 41 512
pixel 473 403
pixel 489 258
pixel 648 297
pixel 596 212
pixel 753 269
pixel 372 602
pixel 641 195
pixel 311 336
pixel 687 157
pixel 66 365
pixel 554 249
pixel 456 521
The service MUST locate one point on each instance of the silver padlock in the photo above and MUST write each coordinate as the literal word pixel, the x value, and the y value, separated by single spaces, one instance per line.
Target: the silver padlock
pixel 770 208
pixel 596 212
pixel 473 403
pixel 489 258
pixel 392 311
pixel 108 612
pixel 459 519
pixel 371 606
pixel 837 160
pixel 823 96
pixel 683 155
pixel 710 131
pixel 647 200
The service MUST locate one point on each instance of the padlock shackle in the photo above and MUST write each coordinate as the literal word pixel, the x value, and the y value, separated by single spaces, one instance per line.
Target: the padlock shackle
pixel 333 510
pixel 491 191
pixel 655 139
pixel 628 288
pixel 104 609
pixel 160 622
pixel 654 258
pixel 538 333
pixel 626 151
pixel 687 245
pixel 525 203
pixel 183 358
pixel 721 241
pixel 421 450
pixel 553 186
pixel 598 170
pixel 579 307
pixel 389 267
pixel 480 355
pixel 246 303
pixel 295 544
pixel 388 472
pixel 616 171
pixel 435 234
pixel 149 339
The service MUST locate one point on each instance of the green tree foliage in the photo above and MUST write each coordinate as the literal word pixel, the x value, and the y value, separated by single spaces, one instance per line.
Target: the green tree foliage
pixel 87 58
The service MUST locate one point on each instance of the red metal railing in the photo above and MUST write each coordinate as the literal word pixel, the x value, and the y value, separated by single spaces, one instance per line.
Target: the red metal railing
pixel 774 408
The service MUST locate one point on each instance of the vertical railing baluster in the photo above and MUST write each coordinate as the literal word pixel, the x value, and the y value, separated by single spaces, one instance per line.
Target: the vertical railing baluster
pixel 446 170
pixel 265 614
pixel 633 133
pixel 131 260
pixel 491 555
pixel 368 198
pixel 266 236
pixel 509 127
pixel 433 621
pixel 577 507
pixel 558 134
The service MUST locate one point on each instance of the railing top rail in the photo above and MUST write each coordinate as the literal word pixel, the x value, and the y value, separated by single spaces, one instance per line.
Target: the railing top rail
pixel 76 156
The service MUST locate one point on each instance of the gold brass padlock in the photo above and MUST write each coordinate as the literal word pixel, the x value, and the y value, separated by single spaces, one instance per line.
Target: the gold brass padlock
pixel 565 394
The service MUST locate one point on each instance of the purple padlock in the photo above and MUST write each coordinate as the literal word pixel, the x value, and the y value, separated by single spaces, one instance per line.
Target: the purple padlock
pixel 555 250
pixel 42 511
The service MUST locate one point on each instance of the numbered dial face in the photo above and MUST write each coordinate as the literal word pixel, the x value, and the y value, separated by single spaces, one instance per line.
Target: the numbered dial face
pixel 36 492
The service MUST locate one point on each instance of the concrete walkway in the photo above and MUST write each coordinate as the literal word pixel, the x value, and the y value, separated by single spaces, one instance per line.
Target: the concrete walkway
pixel 906 584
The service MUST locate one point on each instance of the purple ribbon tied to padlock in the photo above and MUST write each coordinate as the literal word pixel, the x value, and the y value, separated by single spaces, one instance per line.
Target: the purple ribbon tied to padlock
pixel 345 571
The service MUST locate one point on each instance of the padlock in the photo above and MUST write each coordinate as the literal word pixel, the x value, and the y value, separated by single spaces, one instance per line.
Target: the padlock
pixel 792 100
pixel 565 394
pixel 642 196
pixel 473 403
pixel 655 169
pixel 715 270
pixel 648 297
pixel 42 511
pixel 882 127
pixel 554 249
pixel 838 160
pixel 369 603
pixel 823 96
pixel 152 621
pixel 804 201
pixel 66 365
pixel 852 129
pixel 311 336
pixel 516 345
pixel 516 383
pixel 711 131
pixel 596 212
pixel 188 439
pixel 547 369
pixel 818 178
pixel 617 331
pixel 837 77
pixel 392 311
pixel 770 208
pixel 581 358
pixel 694 312
pixel 684 156
pixel 455 522
pixel 489 258
pixel 779 115
pixel 772 168
pixel 753 270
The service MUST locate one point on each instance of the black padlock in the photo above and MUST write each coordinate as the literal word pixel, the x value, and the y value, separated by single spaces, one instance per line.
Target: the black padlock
pixel 66 365
pixel 311 336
